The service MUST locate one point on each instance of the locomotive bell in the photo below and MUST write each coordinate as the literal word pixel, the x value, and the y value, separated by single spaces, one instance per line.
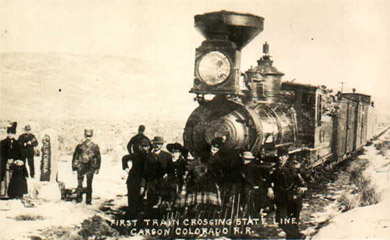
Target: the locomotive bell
pixel 217 60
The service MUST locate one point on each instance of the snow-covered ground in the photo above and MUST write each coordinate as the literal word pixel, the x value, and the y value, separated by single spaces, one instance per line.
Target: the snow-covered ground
pixel 48 212
pixel 369 222
pixel 19 222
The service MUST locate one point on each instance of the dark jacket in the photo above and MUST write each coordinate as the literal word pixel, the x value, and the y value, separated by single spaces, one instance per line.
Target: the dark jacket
pixel 225 166
pixel 180 171
pixel 251 176
pixel 134 143
pixel 137 171
pixel 86 156
pixel 286 181
pixel 27 149
pixel 9 149
pixel 158 165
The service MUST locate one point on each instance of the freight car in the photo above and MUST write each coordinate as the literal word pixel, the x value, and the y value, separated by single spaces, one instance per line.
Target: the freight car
pixel 258 112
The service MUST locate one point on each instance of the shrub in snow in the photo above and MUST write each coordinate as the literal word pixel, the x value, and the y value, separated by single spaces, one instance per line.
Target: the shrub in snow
pixel 28 217
pixel 59 233
pixel 348 201
pixel 369 196
pixel 96 227
pixel 364 193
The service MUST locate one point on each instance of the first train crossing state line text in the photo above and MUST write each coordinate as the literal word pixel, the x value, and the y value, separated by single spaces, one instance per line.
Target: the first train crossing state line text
pixel 189 226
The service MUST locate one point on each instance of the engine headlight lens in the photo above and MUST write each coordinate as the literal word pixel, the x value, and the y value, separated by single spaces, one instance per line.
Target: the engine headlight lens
pixel 214 68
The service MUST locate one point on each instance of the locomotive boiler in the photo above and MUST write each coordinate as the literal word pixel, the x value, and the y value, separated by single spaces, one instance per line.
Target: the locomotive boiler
pixel 258 112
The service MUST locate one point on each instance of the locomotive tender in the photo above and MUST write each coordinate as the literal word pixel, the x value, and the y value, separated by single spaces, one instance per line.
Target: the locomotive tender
pixel 258 112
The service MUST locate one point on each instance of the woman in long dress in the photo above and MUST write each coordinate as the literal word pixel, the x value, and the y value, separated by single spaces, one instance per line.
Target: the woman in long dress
pixel 9 152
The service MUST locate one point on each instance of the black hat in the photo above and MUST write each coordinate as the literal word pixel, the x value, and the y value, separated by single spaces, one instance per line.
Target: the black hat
pixel 27 128
pixel 141 128
pixel 173 147
pixel 217 142
pixel 282 151
pixel 12 128
pixel 88 132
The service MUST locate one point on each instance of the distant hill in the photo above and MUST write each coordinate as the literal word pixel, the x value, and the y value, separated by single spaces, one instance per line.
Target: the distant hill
pixel 84 86
pixel 72 86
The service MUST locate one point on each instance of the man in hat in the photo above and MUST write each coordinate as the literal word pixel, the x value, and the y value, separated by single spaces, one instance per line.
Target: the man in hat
pixel 86 161
pixel 134 165
pixel 9 152
pixel 159 165
pixel 134 143
pixel 27 143
pixel 252 185
pixel 288 189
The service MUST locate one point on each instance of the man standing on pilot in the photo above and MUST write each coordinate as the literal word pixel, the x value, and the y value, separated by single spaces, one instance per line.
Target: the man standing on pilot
pixel 288 188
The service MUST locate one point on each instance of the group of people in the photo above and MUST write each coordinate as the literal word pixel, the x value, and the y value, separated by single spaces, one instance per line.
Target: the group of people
pixel 15 154
pixel 217 183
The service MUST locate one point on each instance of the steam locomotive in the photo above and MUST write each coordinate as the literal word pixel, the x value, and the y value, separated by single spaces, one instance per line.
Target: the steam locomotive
pixel 259 112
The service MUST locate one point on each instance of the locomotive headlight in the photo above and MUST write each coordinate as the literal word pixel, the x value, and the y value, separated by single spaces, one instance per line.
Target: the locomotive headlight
pixel 214 68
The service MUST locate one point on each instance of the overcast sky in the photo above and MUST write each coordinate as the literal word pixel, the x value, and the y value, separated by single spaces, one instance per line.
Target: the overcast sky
pixel 317 42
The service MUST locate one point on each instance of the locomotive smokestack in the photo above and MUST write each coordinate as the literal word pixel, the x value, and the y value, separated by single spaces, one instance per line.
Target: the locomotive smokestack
pixel 236 27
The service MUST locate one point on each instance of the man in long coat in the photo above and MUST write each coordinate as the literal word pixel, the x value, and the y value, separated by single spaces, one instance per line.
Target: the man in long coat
pixel 134 164
pixel 252 185
pixel 86 161
pixel 27 143
pixel 289 187
pixel 159 165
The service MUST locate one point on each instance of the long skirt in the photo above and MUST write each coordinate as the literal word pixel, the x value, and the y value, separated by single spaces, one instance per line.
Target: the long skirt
pixel 17 186
pixel 198 198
